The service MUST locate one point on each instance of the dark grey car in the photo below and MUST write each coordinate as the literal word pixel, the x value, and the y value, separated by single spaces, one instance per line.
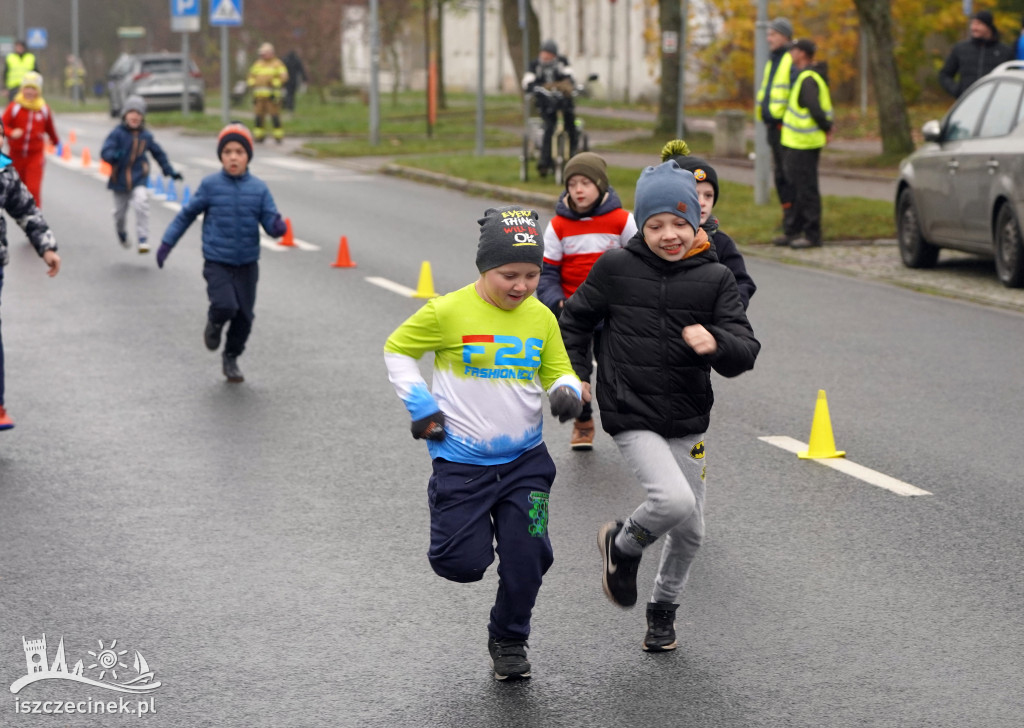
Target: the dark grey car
pixel 964 188
pixel 159 78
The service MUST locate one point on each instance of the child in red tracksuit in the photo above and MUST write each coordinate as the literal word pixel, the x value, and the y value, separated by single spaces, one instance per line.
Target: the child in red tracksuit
pixel 28 121
pixel 588 220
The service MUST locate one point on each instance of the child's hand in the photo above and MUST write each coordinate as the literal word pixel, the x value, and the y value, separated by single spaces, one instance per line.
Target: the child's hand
pixel 430 427
pixel 586 392
pixel 161 254
pixel 565 404
pixel 700 339
pixel 16 133
pixel 176 176
pixel 52 260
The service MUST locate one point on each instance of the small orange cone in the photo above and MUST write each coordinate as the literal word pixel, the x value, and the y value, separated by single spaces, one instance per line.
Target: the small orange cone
pixel 86 157
pixel 65 153
pixel 343 261
pixel 822 444
pixel 49 148
pixel 288 239
pixel 425 288
pixel 72 137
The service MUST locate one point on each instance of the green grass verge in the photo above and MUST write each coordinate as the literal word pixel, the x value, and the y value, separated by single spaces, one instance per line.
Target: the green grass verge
pixel 747 223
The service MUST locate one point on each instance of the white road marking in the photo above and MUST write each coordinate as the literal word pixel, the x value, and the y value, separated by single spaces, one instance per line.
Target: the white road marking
pixel 299 165
pixel 391 286
pixel 869 476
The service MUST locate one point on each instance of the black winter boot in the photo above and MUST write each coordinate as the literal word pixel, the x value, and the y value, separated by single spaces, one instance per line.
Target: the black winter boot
pixel 231 370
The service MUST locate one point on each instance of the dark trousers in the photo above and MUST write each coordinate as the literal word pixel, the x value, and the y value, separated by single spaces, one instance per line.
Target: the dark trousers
pixel 783 188
pixel 802 172
pixel 587 413
pixel 232 293
pixel 472 507
pixel 1 346
pixel 548 111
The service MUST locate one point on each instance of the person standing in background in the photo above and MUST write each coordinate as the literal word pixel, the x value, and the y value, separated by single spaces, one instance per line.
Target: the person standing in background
pixel 771 103
pixel 267 77
pixel 975 57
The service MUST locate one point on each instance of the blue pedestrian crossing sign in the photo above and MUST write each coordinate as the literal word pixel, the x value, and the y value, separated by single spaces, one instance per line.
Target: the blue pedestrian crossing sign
pixel 225 12
pixel 35 38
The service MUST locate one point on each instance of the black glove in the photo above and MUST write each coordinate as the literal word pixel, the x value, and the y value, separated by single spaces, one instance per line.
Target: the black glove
pixel 176 176
pixel 430 427
pixel 565 404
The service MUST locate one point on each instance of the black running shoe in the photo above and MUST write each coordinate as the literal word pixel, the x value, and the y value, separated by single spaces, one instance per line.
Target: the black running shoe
pixel 661 627
pixel 211 335
pixel 231 370
pixel 619 570
pixel 508 658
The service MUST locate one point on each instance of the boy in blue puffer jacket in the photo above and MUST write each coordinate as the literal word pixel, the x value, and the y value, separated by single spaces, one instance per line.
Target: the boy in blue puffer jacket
pixel 125 150
pixel 234 204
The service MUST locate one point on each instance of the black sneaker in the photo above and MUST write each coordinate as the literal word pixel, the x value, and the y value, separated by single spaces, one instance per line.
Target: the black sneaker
pixel 619 570
pixel 211 335
pixel 231 370
pixel 123 239
pixel 661 627
pixel 508 658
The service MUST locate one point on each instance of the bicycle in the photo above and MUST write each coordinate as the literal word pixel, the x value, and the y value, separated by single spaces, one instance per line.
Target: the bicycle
pixel 533 136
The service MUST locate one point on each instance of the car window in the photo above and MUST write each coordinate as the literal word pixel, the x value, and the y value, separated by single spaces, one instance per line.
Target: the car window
pixel 161 65
pixel 1002 116
pixel 963 120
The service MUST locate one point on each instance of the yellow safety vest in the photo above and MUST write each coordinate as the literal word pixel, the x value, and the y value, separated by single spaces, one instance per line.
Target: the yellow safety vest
pixel 799 129
pixel 17 67
pixel 267 77
pixel 779 85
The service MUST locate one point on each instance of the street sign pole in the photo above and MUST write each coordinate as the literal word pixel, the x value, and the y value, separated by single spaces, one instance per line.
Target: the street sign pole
pixel 762 152
pixel 224 13
pixel 77 89
pixel 186 74
pixel 225 92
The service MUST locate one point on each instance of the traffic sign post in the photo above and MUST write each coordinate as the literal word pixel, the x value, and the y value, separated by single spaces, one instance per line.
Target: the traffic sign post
pixel 226 14
pixel 185 20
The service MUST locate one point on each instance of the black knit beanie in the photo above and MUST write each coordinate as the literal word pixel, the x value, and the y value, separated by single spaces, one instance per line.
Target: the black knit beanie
pixel 509 235
pixel 702 171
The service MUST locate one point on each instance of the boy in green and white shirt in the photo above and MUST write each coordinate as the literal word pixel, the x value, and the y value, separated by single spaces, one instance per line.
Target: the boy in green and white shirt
pixel 497 349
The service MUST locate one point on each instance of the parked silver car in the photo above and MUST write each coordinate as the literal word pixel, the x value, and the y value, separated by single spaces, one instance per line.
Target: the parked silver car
pixel 159 78
pixel 964 188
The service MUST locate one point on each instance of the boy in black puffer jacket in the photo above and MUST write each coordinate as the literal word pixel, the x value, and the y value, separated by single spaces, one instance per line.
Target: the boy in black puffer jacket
pixel 671 313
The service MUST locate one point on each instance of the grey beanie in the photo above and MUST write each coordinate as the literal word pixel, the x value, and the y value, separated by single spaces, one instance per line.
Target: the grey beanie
pixel 134 103
pixel 667 188
pixel 509 235
pixel 550 46
pixel 782 26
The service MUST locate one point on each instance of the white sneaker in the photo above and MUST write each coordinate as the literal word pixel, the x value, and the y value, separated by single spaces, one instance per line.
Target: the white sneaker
pixel 143 246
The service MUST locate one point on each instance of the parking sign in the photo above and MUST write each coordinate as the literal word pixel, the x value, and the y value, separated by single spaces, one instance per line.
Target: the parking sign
pixel 185 16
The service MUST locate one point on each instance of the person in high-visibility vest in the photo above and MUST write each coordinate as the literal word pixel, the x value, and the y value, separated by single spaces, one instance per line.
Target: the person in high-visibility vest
pixel 74 79
pixel 16 64
pixel 267 77
pixel 805 130
pixel 772 99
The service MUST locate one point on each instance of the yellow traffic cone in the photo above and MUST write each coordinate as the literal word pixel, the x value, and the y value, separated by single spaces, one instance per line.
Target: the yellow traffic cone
pixel 425 288
pixel 822 444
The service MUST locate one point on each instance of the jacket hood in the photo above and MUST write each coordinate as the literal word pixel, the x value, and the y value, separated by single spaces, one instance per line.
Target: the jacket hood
pixel 608 203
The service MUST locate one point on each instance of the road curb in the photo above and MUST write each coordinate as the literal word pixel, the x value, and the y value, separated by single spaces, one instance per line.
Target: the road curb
pixel 471 186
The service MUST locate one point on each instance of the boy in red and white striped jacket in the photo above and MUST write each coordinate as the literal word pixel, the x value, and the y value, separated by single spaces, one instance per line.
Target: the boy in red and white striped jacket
pixel 588 221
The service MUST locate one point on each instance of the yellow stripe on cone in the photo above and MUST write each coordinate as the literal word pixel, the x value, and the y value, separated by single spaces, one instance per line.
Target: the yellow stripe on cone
pixel 425 288
pixel 822 444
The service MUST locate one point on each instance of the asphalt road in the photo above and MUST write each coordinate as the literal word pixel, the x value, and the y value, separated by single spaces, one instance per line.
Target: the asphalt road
pixel 263 545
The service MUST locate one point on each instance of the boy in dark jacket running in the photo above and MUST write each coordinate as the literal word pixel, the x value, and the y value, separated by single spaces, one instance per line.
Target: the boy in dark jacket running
pixel 707 194
pixel 234 204
pixel 672 312
pixel 17 201
pixel 125 150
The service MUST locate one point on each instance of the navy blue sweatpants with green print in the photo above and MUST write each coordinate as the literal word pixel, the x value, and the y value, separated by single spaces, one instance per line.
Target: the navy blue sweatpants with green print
pixel 474 507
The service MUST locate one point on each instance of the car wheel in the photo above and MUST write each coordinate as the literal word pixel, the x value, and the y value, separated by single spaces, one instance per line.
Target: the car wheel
pixel 1009 251
pixel 915 251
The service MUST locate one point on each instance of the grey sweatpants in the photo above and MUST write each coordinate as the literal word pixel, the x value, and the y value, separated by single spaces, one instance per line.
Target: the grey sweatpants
pixel 138 198
pixel 672 472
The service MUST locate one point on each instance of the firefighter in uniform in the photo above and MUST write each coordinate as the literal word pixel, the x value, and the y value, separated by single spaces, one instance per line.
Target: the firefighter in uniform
pixel 267 78
pixel 805 128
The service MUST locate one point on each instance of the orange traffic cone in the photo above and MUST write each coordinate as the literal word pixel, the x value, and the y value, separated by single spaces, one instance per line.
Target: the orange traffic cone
pixel 72 137
pixel 86 157
pixel 343 261
pixel 65 153
pixel 288 239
